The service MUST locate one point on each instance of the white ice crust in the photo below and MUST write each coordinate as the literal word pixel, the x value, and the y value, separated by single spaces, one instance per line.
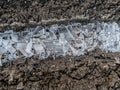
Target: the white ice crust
pixel 59 40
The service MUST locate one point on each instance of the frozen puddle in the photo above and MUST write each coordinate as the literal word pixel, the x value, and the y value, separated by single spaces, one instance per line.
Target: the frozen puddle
pixel 59 40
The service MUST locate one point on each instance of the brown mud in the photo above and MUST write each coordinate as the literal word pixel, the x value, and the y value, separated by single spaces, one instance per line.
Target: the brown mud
pixel 22 13
pixel 95 70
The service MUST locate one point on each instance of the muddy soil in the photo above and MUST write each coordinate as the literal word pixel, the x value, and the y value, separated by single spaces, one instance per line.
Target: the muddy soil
pixel 14 13
pixel 95 70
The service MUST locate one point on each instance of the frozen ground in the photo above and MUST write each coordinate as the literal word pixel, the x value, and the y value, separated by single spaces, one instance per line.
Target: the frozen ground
pixel 14 13
pixel 98 69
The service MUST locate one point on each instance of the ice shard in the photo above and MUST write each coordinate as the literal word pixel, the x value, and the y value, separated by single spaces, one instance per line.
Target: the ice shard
pixel 59 40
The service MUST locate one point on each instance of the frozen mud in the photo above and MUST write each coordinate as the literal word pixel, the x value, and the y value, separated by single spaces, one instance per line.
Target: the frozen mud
pixel 97 67
pixel 14 13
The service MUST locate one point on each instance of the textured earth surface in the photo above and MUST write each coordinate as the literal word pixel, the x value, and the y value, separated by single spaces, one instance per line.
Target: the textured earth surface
pixel 15 13
pixel 95 70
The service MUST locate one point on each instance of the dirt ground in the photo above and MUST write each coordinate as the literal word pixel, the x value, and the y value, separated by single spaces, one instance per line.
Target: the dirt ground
pixel 95 70
pixel 21 13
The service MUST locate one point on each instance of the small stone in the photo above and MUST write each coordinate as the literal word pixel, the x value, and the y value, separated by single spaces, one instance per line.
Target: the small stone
pixel 20 86
pixel 117 60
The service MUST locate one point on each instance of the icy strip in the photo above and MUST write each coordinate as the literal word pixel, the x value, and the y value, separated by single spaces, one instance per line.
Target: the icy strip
pixel 59 40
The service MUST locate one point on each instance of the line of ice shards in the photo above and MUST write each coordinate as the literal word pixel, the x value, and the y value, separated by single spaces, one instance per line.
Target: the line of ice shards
pixel 59 40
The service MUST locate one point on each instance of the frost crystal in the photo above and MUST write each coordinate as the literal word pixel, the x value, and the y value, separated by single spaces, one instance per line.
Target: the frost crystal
pixel 59 40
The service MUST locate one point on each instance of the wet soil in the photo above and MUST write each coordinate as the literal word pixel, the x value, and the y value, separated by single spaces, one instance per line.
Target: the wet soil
pixel 95 70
